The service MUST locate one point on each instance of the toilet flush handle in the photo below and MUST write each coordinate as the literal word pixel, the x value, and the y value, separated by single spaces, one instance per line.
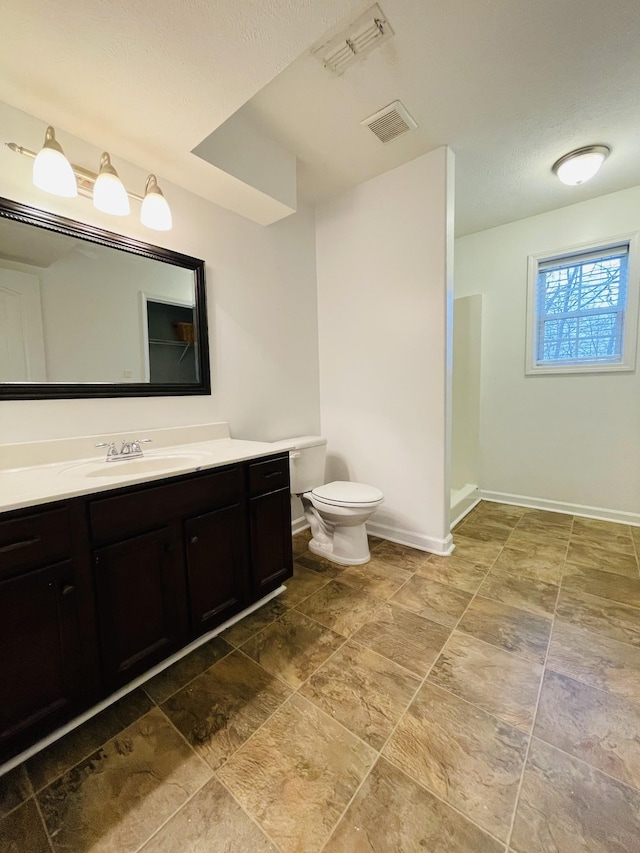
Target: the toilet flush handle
pixel 295 455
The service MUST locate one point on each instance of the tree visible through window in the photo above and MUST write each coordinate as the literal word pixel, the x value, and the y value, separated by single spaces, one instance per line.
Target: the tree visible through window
pixel 581 302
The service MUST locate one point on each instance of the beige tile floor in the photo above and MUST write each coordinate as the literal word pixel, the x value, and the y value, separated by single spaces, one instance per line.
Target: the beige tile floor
pixel 487 701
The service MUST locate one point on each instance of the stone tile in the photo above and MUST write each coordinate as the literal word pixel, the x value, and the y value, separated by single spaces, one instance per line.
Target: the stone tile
pixel 376 577
pixel 374 542
pixel 453 571
pixel 293 647
pixel 66 752
pixel 595 660
pixel 508 513
pixel 566 805
pixel 340 607
pixel 515 630
pixel 600 615
pixel 403 637
pixel 615 587
pixel 221 708
pixel 486 530
pixel 303 584
pixel 536 596
pixel 494 680
pixel 603 534
pixel 22 831
pixel 478 553
pixel 595 726
pixel 436 601
pixel 297 774
pixel 15 788
pixel 538 545
pixel 115 799
pixel 535 564
pixel 174 678
pixel 363 691
pixel 316 563
pixel 402 555
pixel 580 554
pixel 391 812
pixel 300 542
pixel 254 622
pixel 211 822
pixel 552 525
pixel 462 754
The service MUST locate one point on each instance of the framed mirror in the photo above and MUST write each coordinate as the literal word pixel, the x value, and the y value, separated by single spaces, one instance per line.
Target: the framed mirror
pixel 88 313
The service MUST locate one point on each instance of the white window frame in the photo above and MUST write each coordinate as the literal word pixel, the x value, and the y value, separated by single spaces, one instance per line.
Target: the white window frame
pixel 630 331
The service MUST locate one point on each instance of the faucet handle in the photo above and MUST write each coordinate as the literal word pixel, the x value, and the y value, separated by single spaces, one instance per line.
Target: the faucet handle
pixel 111 451
pixel 144 440
pixel 135 444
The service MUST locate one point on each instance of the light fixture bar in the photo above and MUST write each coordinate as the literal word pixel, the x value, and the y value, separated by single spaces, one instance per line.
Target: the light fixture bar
pixel 86 178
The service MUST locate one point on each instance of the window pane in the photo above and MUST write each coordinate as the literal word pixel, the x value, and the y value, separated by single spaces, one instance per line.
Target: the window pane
pixel 580 308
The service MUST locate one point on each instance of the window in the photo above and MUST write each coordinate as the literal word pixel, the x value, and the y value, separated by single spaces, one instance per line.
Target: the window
pixel 583 309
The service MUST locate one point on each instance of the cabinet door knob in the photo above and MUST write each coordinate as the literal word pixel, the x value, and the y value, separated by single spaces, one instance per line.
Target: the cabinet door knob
pixel 68 589
pixel 193 540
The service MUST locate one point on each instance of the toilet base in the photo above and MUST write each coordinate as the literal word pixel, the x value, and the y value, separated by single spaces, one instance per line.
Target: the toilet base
pixel 348 546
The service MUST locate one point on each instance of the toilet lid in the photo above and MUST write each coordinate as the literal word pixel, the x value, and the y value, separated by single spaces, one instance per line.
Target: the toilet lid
pixel 341 492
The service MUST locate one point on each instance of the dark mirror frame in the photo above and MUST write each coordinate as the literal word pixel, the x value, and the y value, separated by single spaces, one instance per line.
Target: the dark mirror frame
pixel 72 390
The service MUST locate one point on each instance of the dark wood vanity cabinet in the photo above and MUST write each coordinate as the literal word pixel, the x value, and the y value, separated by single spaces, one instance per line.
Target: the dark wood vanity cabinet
pixel 270 524
pixel 140 601
pixel 47 675
pixel 96 591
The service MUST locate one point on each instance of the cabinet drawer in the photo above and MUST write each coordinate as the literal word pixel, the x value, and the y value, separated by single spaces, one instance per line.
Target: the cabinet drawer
pixel 30 541
pixel 146 508
pixel 268 476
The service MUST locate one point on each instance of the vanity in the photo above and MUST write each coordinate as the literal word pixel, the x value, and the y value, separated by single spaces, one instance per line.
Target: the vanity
pixel 107 570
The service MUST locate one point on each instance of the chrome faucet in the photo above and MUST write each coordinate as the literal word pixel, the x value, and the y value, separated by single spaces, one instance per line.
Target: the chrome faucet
pixel 129 449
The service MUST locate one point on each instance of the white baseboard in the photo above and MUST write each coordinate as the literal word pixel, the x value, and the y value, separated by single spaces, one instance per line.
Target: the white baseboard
pixel 298 525
pixel 599 513
pixel 442 547
pixel 463 501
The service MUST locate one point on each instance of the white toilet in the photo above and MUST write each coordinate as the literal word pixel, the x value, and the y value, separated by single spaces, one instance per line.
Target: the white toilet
pixel 336 511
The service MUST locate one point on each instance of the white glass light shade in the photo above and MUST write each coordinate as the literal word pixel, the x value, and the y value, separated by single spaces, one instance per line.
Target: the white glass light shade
pixel 155 212
pixel 109 194
pixel 581 165
pixel 52 172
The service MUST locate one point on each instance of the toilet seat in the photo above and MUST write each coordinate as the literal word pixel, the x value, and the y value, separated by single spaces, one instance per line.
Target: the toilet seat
pixel 347 494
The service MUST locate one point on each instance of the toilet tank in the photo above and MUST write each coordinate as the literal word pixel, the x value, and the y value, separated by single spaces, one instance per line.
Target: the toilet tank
pixel 307 455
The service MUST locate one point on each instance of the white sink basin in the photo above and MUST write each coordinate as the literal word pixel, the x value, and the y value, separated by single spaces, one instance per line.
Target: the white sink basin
pixel 134 467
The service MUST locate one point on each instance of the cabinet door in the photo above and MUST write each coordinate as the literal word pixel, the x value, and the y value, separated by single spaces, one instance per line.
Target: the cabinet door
pixel 41 684
pixel 140 599
pixel 217 567
pixel 271 558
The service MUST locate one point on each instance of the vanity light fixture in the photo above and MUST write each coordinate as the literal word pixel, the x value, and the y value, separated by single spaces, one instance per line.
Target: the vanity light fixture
pixel 580 165
pixel 53 173
pixel 109 194
pixel 155 212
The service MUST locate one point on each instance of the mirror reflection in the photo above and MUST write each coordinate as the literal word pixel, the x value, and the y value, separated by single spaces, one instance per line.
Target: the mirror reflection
pixel 72 311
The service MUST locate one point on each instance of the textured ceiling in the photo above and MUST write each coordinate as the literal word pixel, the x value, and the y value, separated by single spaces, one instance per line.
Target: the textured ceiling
pixel 510 85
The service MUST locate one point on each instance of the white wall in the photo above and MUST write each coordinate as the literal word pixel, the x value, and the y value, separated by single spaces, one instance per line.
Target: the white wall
pixel 261 302
pixel 384 288
pixel 465 421
pixel 570 439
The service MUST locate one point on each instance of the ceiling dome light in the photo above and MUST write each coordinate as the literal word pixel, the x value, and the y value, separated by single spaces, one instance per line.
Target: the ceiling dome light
pixel 155 212
pixel 580 165
pixel 109 194
pixel 52 171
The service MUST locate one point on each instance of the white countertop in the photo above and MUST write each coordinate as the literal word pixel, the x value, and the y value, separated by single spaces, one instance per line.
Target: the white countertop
pixel 71 474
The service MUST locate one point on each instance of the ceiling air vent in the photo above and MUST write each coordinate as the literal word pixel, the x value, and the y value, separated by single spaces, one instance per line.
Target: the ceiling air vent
pixel 355 42
pixel 390 122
